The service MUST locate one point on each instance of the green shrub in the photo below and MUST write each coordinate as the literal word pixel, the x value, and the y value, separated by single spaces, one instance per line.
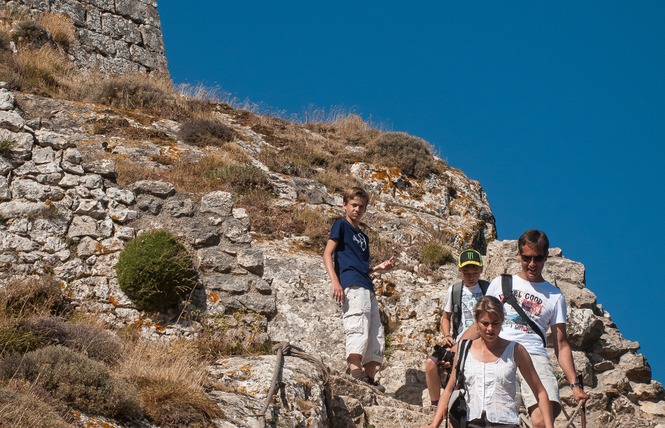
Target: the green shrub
pixel 76 380
pixel 411 154
pixel 156 271
pixel 435 254
pixel 205 132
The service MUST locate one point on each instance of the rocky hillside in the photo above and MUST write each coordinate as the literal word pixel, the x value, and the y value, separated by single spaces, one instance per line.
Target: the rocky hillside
pixel 70 204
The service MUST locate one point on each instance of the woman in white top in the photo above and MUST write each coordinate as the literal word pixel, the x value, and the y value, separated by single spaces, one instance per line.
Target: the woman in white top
pixel 490 375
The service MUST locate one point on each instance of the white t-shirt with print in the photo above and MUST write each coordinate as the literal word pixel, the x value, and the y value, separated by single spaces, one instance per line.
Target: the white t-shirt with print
pixel 470 295
pixel 542 301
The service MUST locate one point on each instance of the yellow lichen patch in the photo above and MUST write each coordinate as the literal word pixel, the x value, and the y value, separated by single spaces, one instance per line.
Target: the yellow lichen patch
pixel 213 297
pixel 171 152
pixel 112 300
pixel 103 249
pixel 93 423
pixel 305 405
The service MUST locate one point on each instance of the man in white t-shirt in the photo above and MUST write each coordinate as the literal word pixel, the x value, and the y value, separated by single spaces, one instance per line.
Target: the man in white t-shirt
pixel 470 266
pixel 545 305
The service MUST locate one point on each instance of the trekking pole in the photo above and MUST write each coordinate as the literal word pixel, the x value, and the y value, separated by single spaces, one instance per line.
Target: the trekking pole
pixel 583 414
pixel 582 404
pixel 523 421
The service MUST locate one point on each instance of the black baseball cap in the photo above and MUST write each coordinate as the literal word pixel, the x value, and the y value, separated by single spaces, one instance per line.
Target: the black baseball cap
pixel 470 257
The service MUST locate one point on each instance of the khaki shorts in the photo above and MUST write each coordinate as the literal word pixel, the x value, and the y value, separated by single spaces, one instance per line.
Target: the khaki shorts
pixel 362 325
pixel 544 370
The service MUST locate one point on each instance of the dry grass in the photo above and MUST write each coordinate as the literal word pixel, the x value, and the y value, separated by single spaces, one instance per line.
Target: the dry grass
pixel 435 254
pixel 30 33
pixel 132 91
pixel 301 157
pixel 89 338
pixel 4 41
pixel 31 297
pixel 413 155
pixel 342 127
pixel 44 71
pixel 226 168
pixel 121 127
pixel 381 247
pixel 60 27
pixel 170 378
pixel 24 405
pixel 185 175
pixel 202 132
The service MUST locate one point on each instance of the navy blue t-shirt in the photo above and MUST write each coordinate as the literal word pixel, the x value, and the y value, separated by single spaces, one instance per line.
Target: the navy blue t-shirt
pixel 351 255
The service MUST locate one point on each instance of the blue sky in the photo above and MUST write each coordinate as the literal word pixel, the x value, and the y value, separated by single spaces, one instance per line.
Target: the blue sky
pixel 557 109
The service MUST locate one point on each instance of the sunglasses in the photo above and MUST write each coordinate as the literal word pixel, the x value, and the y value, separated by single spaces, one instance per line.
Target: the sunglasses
pixel 529 259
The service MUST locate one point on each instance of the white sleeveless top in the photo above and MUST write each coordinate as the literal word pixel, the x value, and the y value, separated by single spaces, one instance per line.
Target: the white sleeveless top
pixel 491 387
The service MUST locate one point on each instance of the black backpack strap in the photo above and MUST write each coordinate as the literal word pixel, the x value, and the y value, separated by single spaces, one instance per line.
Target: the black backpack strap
pixel 462 351
pixel 509 297
pixel 484 285
pixel 456 295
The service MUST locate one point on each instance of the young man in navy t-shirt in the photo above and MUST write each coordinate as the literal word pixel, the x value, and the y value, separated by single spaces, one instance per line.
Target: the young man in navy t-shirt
pixel 346 259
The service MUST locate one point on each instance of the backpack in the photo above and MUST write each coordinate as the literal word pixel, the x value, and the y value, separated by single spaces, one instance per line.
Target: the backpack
pixel 457 302
pixel 458 409
pixel 509 297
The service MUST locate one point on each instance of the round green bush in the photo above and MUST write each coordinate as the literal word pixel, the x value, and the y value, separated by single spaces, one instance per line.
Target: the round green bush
pixel 156 271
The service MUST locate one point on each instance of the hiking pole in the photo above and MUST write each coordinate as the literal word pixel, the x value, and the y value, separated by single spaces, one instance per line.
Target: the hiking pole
pixel 582 404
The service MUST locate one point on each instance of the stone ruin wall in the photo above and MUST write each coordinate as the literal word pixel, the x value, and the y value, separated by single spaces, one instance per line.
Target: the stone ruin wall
pixel 113 36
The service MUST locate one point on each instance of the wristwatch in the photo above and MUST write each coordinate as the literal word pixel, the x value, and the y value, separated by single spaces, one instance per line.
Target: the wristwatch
pixel 578 384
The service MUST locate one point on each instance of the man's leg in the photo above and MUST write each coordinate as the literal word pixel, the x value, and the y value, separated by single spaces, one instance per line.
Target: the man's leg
pixel 544 370
pixel 371 368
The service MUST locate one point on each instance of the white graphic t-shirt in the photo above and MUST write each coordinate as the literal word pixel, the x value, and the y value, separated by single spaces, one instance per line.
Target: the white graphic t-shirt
pixel 470 296
pixel 542 302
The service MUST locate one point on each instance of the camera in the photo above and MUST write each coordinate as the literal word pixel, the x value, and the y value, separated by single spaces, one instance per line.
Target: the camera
pixel 443 354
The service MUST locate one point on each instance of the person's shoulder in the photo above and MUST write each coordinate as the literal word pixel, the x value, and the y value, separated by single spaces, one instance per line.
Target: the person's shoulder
pixel 548 287
pixel 495 287
pixel 519 349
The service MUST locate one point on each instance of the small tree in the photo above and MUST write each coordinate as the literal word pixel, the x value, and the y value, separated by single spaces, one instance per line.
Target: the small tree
pixel 156 271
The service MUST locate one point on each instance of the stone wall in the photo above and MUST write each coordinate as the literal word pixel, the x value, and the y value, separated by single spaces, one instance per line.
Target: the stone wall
pixel 62 213
pixel 113 36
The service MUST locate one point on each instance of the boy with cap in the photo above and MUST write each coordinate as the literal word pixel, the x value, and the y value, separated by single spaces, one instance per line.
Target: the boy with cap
pixel 460 300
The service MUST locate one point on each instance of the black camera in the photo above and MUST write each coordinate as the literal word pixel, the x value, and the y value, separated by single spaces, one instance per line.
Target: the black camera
pixel 443 354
